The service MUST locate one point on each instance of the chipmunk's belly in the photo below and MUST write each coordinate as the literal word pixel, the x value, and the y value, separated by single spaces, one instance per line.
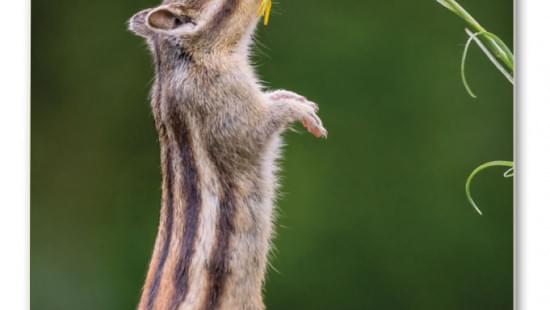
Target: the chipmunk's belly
pixel 250 242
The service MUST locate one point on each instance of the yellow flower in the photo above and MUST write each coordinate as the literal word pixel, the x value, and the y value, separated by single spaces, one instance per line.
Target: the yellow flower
pixel 265 10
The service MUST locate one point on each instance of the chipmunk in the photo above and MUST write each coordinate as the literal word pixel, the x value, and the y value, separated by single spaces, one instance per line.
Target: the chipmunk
pixel 219 135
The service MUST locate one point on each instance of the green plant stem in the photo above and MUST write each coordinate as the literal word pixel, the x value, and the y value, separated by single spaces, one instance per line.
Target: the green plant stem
pixel 462 13
pixel 494 43
pixel 498 65
pixel 500 55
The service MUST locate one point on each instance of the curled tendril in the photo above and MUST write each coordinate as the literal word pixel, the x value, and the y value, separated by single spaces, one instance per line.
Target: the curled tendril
pixel 463 64
pixel 498 163
pixel 509 173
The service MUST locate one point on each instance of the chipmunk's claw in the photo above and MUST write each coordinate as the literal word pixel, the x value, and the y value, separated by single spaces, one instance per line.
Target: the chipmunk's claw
pixel 312 123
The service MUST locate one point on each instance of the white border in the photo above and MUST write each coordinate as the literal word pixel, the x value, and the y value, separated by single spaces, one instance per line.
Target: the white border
pixel 14 163
pixel 533 170
pixel 533 216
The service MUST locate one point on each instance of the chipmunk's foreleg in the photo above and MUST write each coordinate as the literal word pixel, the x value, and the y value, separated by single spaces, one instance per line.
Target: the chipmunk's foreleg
pixel 286 107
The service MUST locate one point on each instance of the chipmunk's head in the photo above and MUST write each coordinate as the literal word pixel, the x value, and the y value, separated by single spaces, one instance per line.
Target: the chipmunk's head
pixel 198 26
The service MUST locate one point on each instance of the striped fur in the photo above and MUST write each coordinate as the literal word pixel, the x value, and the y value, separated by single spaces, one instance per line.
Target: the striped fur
pixel 191 191
pixel 220 137
pixel 218 270
pixel 165 232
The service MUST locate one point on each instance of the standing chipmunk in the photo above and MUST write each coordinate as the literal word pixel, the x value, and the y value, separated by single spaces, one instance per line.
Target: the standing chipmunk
pixel 219 135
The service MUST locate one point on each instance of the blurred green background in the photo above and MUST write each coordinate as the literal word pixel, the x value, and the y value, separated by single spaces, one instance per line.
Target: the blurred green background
pixel 375 217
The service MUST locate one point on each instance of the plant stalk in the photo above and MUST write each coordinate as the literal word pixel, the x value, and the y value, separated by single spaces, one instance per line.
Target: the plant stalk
pixel 495 44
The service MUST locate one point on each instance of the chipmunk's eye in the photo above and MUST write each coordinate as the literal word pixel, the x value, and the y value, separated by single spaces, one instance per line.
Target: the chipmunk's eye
pixel 180 20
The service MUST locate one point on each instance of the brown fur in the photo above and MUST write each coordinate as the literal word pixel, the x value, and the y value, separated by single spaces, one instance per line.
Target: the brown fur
pixel 220 139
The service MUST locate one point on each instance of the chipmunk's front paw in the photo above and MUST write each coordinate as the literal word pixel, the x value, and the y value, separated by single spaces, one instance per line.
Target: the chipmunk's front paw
pixel 302 110
pixel 313 124
pixel 306 112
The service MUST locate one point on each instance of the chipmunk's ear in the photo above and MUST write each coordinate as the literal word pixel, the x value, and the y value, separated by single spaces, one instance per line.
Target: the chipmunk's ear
pixel 137 24
pixel 170 18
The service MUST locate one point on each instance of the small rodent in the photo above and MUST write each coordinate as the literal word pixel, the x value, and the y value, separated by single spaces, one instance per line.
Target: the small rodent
pixel 219 134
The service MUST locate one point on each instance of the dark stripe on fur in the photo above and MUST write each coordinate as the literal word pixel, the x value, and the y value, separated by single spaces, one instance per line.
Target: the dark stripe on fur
pixel 218 267
pixel 196 4
pixel 192 197
pixel 221 17
pixel 169 220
